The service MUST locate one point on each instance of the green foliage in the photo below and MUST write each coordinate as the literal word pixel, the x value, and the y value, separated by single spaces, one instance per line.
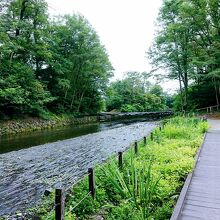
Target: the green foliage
pixel 135 94
pixel 80 67
pixel 149 183
pixel 45 65
pixel 199 95
pixel 130 108
pixel 135 185
pixel 187 45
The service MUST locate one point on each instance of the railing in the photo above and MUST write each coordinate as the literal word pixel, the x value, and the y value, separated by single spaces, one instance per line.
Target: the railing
pixel 209 109
pixel 60 193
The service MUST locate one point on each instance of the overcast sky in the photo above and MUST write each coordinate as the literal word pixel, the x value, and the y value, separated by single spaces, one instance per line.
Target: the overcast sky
pixel 125 27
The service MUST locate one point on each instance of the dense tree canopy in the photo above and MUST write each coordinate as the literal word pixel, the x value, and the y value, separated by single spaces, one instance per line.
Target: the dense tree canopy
pixel 187 46
pixel 135 93
pixel 57 65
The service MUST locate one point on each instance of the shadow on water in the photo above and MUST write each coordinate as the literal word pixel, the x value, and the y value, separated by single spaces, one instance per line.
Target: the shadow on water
pixel 26 140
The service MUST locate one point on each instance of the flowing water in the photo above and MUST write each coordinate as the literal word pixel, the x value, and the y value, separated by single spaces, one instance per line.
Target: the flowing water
pixel 26 173
pixel 25 140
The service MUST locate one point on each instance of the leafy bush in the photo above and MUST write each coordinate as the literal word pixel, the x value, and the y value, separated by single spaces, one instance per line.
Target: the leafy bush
pixel 128 108
pixel 135 93
pixel 148 184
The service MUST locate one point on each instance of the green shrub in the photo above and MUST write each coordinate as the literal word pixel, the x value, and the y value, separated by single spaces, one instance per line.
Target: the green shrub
pixel 149 184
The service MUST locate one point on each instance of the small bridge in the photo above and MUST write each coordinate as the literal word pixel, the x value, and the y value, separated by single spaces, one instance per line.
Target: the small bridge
pixel 200 196
pixel 111 116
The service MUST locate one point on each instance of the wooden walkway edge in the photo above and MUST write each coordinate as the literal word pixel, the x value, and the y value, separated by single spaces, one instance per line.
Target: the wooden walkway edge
pixel 179 205
pixel 200 196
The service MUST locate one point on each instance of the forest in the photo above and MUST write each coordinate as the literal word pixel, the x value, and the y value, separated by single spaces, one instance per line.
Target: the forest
pixel 49 65
pixel 135 93
pixel 187 47
pixel 59 65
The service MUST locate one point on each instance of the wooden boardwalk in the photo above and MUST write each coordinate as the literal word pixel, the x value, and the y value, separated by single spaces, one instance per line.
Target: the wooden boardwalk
pixel 200 196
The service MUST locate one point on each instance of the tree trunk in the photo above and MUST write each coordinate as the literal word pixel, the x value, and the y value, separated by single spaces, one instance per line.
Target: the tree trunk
pixel 186 95
pixel 66 92
pixel 216 91
pixel 181 92
pixel 23 6
pixel 185 66
pixel 73 97
pixel 80 101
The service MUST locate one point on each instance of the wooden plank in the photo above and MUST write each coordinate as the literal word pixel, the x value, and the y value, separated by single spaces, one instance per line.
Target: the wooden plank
pixel 189 217
pixel 202 199
pixel 201 212
pixel 203 193
pixel 192 194
pixel 200 203
pixel 180 201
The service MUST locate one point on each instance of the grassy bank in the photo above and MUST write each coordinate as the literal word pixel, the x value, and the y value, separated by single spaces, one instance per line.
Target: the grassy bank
pixel 149 183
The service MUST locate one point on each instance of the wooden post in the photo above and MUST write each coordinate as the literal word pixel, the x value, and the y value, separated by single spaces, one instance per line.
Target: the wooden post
pixel 59 204
pixel 120 160
pixel 145 140
pixel 152 136
pixel 183 113
pixel 91 182
pixel 135 147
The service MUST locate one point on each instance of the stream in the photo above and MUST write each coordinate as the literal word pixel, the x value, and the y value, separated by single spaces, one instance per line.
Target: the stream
pixel 28 170
pixel 25 140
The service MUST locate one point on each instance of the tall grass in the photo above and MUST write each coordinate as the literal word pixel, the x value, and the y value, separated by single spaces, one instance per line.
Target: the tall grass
pixel 149 183
pixel 183 128
pixel 135 184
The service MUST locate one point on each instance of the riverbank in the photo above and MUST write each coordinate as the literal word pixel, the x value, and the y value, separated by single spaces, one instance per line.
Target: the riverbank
pixel 148 185
pixel 33 124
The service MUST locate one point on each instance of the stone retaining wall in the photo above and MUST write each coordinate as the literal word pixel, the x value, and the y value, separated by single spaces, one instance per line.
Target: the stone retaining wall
pixel 33 124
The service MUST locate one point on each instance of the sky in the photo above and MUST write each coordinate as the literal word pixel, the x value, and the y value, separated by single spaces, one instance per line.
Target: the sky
pixel 126 28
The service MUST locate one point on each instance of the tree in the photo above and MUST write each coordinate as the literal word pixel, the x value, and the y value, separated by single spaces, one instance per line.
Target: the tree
pixel 134 93
pixel 80 66
pixel 45 65
pixel 172 48
pixel 187 44
pixel 21 24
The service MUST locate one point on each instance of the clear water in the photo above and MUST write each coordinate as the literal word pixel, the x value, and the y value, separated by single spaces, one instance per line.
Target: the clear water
pixel 10 143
